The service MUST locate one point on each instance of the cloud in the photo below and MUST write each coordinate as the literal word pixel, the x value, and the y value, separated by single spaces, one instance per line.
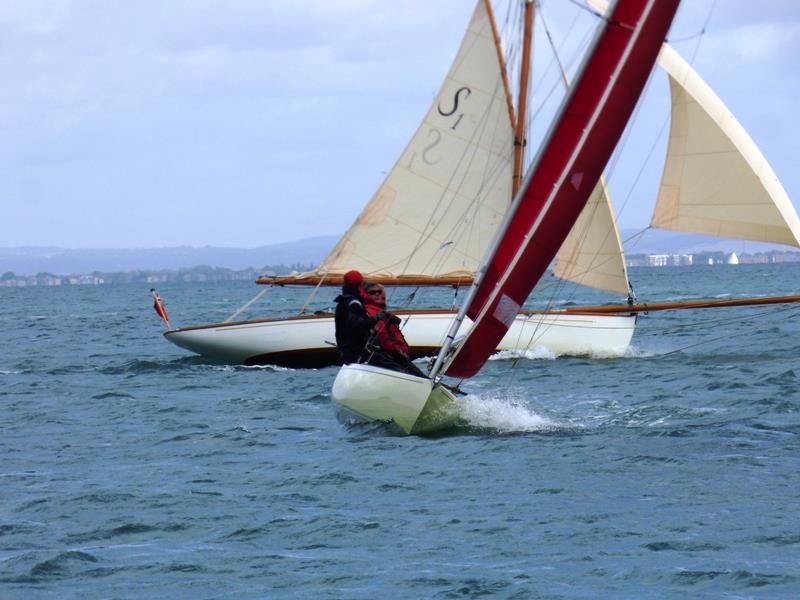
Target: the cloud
pixel 267 108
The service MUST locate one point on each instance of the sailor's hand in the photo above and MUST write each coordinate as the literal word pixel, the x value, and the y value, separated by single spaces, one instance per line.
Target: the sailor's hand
pixel 395 319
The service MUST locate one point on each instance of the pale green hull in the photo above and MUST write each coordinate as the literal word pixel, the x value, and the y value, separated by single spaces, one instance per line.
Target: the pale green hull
pixel 414 404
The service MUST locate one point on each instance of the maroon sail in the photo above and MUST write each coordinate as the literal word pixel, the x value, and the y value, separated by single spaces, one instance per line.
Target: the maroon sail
pixel 569 164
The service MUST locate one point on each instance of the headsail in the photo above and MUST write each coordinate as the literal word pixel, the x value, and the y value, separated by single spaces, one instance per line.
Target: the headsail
pixel 442 202
pixel 592 253
pixel 566 170
pixel 715 180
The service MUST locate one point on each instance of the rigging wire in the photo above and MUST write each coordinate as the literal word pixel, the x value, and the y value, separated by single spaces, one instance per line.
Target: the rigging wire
pixel 247 305
pixel 617 154
pixel 312 295
pixel 657 140
pixel 710 323
pixel 559 286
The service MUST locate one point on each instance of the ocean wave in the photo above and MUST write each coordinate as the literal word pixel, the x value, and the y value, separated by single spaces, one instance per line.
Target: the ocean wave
pixel 61 564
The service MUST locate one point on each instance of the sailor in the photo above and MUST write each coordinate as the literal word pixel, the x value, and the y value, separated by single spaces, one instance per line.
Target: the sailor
pixel 386 346
pixel 353 325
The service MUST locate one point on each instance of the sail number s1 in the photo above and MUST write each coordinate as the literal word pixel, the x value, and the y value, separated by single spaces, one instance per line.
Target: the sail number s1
pixel 462 92
pixel 434 135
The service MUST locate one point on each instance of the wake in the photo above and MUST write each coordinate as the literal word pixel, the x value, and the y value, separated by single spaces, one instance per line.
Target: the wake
pixel 504 416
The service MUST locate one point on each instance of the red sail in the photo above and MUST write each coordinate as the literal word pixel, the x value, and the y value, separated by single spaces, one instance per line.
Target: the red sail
pixel 590 122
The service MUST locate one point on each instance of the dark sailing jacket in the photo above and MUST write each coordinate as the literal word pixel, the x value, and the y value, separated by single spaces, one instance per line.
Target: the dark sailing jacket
pixel 353 326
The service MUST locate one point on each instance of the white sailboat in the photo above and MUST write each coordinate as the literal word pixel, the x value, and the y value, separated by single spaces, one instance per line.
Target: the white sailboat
pixel 428 224
pixel 432 218
pixel 568 166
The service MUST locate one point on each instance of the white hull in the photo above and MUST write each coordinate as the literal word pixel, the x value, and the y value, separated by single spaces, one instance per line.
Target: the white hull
pixel 413 404
pixel 308 341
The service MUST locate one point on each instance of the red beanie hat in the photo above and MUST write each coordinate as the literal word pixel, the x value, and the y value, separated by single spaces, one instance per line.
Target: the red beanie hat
pixel 353 278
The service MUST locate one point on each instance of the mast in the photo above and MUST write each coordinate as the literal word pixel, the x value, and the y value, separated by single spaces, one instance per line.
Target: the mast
pixel 522 103
pixel 501 60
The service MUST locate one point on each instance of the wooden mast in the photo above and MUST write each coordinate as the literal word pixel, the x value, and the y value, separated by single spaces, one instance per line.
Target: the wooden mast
pixel 501 59
pixel 522 102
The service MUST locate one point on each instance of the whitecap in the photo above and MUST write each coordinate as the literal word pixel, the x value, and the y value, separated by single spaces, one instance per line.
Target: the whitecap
pixel 535 353
pixel 251 367
pixel 503 415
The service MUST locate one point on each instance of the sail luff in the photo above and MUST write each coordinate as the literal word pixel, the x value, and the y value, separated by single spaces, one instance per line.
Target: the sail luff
pixel 566 170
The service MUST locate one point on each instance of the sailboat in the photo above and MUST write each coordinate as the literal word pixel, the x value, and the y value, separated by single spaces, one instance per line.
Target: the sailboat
pixel 558 185
pixel 433 217
pixel 428 224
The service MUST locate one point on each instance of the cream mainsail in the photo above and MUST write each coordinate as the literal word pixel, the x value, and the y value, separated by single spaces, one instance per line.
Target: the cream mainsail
pixel 440 205
pixel 437 211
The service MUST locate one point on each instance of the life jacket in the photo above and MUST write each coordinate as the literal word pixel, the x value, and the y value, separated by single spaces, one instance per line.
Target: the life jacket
pixel 389 336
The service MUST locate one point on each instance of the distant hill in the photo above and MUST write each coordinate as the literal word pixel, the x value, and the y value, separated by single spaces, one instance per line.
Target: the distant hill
pixel 64 261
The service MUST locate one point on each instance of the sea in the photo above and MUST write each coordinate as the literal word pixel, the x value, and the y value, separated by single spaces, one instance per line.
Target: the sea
pixel 132 469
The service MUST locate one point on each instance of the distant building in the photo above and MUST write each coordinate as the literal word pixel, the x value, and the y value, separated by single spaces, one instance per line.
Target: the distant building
pixel 657 260
pixel 669 260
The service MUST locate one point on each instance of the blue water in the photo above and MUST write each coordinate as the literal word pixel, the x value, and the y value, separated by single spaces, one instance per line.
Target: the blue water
pixel 132 470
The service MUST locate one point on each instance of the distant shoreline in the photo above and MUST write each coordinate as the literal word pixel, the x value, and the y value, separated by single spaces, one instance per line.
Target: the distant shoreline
pixel 204 273
pixel 148 276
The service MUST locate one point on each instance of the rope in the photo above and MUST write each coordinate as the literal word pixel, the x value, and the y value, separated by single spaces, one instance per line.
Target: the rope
pixel 247 305
pixel 312 294
pixel 717 321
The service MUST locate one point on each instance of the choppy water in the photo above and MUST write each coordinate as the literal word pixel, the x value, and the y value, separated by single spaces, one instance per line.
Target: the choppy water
pixel 131 470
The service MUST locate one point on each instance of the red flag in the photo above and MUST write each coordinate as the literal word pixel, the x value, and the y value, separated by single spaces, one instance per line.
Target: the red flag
pixel 159 306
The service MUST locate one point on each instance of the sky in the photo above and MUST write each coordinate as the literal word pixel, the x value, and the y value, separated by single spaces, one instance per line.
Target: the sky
pixel 151 123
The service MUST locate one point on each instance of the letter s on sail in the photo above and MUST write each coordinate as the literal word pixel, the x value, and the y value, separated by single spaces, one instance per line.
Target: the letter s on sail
pixel 437 137
pixel 466 91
